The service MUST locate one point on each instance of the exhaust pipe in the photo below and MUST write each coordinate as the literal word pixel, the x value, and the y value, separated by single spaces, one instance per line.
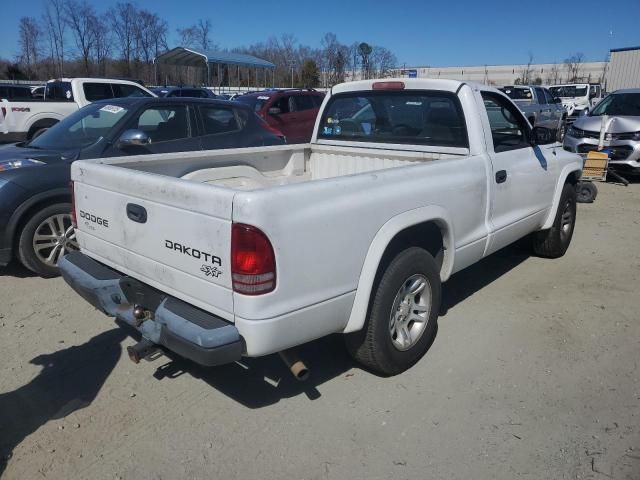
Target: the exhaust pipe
pixel 293 362
pixel 143 349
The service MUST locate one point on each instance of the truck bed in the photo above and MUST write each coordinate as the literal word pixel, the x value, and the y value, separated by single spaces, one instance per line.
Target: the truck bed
pixel 265 167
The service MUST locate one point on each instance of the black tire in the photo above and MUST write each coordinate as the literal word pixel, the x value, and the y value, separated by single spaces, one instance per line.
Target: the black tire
pixel 554 242
pixel 58 213
pixel 37 133
pixel 374 346
pixel 586 192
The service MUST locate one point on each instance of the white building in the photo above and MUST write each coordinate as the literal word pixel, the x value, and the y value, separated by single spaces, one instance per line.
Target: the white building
pixel 545 73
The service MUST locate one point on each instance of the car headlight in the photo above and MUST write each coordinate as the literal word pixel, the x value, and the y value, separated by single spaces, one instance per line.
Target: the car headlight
pixel 635 136
pixel 12 164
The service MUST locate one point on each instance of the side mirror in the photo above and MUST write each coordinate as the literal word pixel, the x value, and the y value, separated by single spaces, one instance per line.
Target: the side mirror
pixel 132 138
pixel 275 111
pixel 542 136
pixel 584 112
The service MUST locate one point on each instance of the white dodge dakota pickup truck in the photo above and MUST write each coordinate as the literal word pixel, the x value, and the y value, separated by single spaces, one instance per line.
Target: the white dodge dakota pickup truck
pixel 219 254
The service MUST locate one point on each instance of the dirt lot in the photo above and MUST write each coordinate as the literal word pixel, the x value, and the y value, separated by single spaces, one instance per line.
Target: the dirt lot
pixel 533 374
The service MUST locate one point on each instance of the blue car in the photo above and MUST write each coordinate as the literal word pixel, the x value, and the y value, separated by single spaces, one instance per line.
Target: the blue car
pixel 35 194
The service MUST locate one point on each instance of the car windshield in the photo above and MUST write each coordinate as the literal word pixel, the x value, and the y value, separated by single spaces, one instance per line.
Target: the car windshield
pixel 518 93
pixel 82 128
pixel 254 101
pixel 618 104
pixel 569 91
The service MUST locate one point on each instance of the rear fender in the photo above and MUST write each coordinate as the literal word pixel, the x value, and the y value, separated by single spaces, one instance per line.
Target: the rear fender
pixel 378 246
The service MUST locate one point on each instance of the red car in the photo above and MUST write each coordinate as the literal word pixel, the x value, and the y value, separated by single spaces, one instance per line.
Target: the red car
pixel 293 112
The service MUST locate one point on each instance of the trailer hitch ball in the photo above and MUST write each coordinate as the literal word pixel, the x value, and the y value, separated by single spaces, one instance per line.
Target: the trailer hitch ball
pixel 139 312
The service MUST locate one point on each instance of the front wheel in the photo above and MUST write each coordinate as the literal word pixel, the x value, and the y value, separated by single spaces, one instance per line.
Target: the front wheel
pixel 554 242
pixel 402 318
pixel 45 238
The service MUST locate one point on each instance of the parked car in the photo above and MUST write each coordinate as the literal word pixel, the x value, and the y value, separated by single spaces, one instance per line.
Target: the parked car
pixel 223 254
pixel 24 120
pixel 577 97
pixel 621 131
pixel 293 112
pixel 35 225
pixel 15 92
pixel 540 107
pixel 191 92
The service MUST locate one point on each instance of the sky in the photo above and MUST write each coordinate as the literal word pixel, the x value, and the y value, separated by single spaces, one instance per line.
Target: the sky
pixel 419 33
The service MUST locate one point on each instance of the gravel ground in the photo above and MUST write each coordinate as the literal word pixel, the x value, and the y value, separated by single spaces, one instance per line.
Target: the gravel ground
pixel 533 375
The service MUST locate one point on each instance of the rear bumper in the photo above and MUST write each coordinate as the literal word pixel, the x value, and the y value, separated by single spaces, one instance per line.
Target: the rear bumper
pixel 172 323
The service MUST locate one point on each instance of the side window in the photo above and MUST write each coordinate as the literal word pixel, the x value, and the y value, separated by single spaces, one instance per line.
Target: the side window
pixel 282 104
pixel 508 126
pixel 4 92
pixel 317 100
pixel 218 120
pixel 540 96
pixel 58 92
pixel 303 102
pixel 126 90
pixel 548 96
pixel 97 91
pixel 164 124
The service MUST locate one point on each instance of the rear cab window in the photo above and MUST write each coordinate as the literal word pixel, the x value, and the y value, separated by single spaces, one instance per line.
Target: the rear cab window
pixel 406 117
pixel 59 92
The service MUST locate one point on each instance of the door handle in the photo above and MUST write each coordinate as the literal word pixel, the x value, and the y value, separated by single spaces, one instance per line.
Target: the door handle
pixel 501 176
pixel 137 213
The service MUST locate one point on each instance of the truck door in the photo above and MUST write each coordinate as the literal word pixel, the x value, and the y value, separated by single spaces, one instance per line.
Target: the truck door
pixel 544 109
pixel 522 181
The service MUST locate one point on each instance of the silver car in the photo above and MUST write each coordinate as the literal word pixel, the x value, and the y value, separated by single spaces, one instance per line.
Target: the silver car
pixel 540 107
pixel 621 130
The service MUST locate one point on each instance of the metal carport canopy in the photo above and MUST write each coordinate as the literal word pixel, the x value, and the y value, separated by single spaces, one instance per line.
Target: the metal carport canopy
pixel 192 58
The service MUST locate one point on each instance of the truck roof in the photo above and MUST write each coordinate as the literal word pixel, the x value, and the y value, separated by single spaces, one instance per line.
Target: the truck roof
pixel 410 84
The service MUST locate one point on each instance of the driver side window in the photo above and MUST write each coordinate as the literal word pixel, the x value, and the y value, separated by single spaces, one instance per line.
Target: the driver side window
pixel 508 126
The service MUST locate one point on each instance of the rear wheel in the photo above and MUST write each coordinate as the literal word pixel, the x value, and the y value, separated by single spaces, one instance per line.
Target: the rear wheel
pixel 403 312
pixel 46 237
pixel 554 242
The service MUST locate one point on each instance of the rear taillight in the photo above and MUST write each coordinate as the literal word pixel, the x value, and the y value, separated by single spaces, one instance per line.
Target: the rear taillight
pixel 253 263
pixel 74 221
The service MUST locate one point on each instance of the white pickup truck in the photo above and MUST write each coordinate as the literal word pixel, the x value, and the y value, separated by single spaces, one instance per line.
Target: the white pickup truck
pixel 219 254
pixel 23 120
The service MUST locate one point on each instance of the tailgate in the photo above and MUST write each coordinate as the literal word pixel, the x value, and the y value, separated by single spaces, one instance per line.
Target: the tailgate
pixel 172 234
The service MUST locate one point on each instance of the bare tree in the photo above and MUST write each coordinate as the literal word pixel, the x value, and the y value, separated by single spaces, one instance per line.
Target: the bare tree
pixel 81 18
pixel 101 48
pixel 197 35
pixel 382 62
pixel 56 27
pixel 364 50
pixel 30 39
pixel 123 22
pixel 553 76
pixel 526 73
pixel 573 65
pixel 151 34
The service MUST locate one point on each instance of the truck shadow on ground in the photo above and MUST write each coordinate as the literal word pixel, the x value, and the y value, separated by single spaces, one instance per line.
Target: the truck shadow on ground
pixel 69 380
pixel 472 279
pixel 264 381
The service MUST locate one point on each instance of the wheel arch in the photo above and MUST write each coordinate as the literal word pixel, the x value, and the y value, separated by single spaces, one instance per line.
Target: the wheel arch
pixel 427 227
pixel 570 174
pixel 41 123
pixel 29 207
